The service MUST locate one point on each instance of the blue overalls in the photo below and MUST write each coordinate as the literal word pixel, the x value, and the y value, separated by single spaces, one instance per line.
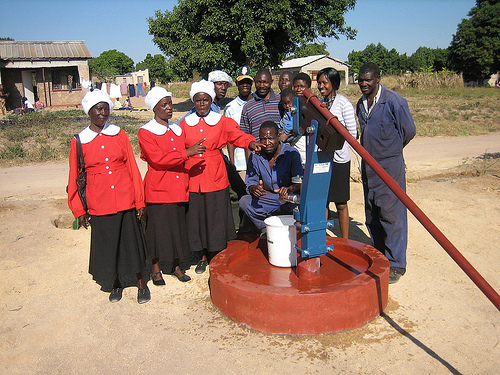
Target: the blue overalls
pixel 384 132
pixel 287 165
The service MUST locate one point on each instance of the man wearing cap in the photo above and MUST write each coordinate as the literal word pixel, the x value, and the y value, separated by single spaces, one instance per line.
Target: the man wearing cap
pixel 264 106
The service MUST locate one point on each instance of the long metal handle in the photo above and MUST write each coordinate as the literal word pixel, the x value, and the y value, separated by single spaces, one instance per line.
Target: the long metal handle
pixel 463 263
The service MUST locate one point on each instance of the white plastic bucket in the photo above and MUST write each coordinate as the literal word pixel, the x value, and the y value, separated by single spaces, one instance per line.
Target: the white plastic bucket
pixel 281 240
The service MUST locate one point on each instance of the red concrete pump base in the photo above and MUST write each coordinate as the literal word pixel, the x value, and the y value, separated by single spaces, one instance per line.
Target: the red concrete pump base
pixel 350 290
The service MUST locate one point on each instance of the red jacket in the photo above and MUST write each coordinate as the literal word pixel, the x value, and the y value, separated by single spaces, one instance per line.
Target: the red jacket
pixel 162 147
pixel 207 171
pixel 114 182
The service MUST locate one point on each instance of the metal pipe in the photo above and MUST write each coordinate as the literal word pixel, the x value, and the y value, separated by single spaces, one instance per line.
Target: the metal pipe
pixel 452 251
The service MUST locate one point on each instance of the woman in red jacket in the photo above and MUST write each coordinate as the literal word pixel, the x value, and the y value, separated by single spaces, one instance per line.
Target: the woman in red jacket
pixel 209 217
pixel 166 188
pixel 115 199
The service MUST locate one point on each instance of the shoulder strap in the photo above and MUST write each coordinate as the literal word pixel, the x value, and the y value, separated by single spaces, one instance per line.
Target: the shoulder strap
pixel 79 154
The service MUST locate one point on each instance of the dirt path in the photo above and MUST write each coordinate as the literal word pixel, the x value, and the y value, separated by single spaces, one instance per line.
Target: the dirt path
pixel 54 320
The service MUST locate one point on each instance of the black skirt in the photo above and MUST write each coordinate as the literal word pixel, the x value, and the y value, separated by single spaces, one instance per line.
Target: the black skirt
pixel 166 235
pixel 117 249
pixel 210 221
pixel 340 188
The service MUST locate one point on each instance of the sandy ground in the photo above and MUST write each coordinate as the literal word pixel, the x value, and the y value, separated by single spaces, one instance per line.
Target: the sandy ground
pixel 54 319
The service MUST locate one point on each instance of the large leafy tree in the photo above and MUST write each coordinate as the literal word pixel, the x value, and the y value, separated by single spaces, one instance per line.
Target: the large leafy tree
pixel 310 49
pixel 475 48
pixel 389 61
pixel 201 35
pixel 158 68
pixel 440 59
pixel 110 64
pixel 428 59
pixel 421 60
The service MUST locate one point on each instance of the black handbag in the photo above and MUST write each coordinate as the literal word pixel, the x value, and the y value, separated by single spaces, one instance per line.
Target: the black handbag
pixel 81 180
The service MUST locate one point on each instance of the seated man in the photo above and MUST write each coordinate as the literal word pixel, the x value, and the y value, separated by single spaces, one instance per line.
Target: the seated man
pixel 270 173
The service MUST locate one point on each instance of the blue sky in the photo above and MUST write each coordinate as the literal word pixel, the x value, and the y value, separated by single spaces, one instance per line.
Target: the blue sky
pixel 401 24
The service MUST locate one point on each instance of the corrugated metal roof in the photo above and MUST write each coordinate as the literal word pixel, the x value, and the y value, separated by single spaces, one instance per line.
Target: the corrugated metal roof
pixel 58 50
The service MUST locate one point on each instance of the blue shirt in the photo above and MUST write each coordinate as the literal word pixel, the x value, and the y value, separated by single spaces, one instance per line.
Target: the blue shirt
pixel 287 165
pixel 286 122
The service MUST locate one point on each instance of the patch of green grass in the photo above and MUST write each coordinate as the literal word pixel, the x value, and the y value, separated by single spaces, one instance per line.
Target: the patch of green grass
pixel 13 152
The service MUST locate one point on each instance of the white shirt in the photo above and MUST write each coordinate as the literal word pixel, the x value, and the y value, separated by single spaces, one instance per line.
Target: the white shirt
pixel 344 110
pixel 375 100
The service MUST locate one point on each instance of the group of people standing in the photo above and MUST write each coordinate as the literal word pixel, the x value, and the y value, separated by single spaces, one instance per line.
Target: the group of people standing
pixel 186 187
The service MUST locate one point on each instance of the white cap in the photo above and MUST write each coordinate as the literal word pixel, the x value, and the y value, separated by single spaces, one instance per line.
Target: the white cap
pixel 93 97
pixel 202 86
pixel 220 76
pixel 154 95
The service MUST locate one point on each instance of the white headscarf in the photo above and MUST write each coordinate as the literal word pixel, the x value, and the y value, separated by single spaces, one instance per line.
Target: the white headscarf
pixel 220 76
pixel 154 95
pixel 202 86
pixel 93 97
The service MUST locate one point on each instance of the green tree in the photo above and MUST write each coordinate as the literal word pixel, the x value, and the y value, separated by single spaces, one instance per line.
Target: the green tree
pixel 475 48
pixel 389 61
pixel 310 49
pixel 8 39
pixel 421 60
pixel 110 64
pixel 441 59
pixel 212 34
pixel 159 70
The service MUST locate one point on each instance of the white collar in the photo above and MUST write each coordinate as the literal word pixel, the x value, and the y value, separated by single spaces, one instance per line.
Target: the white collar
pixel 159 129
pixel 211 119
pixel 375 100
pixel 87 135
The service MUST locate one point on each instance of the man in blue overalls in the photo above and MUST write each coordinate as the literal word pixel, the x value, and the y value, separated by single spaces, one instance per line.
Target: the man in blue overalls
pixel 268 173
pixel 386 127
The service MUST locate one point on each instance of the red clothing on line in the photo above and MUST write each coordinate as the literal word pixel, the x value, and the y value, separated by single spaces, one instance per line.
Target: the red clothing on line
pixel 167 179
pixel 114 182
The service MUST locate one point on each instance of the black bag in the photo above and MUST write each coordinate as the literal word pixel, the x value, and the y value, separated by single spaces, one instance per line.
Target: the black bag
pixel 81 180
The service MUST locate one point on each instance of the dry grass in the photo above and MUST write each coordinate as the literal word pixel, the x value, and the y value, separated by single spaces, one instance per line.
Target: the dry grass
pixel 430 80
pixel 455 111
pixel 41 137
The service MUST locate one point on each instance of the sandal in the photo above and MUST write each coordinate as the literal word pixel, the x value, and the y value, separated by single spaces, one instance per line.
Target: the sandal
pixel 160 282
pixel 184 278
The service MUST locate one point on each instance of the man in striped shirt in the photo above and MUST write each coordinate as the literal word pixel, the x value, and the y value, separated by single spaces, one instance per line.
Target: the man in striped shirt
pixel 262 107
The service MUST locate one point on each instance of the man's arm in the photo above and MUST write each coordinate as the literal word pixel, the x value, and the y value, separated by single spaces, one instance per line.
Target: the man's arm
pixel 253 178
pixel 404 121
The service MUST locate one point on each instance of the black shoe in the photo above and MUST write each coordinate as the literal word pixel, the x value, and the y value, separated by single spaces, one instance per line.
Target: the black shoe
pixel 201 266
pixel 395 274
pixel 160 282
pixel 115 295
pixel 184 278
pixel 143 295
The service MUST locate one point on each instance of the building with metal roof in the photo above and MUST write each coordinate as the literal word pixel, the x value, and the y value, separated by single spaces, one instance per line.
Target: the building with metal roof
pixel 50 70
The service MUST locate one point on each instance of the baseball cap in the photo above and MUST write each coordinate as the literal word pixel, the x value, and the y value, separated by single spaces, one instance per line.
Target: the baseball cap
pixel 244 72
